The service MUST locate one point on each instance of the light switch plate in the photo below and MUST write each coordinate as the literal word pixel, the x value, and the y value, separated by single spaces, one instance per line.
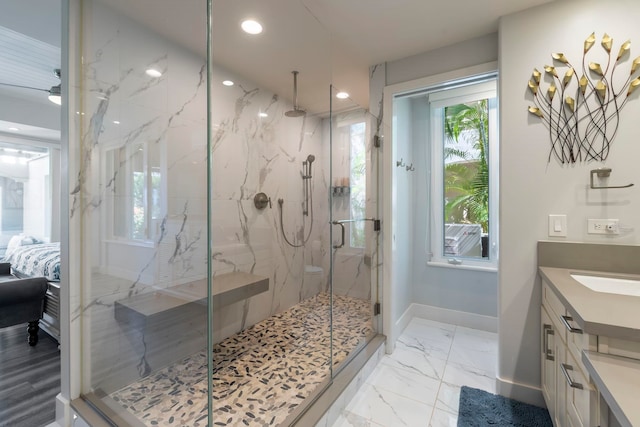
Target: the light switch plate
pixel 557 225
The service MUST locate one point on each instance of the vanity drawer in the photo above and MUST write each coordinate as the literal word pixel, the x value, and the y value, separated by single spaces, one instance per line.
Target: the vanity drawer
pixel 555 308
pixel 582 398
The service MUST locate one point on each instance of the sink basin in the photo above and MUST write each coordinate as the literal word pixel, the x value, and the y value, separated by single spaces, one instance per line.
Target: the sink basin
pixel 609 285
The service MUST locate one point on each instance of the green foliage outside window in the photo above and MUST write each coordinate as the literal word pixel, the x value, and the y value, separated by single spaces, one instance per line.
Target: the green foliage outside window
pixel 466 183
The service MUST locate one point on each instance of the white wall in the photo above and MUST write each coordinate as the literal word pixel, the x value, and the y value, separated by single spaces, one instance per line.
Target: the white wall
pixel 531 188
pixel 460 55
pixel 403 201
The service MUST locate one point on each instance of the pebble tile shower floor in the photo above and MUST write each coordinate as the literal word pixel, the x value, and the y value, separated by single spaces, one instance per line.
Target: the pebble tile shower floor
pixel 260 374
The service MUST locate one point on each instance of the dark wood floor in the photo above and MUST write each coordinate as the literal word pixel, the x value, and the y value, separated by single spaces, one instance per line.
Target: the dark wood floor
pixel 29 378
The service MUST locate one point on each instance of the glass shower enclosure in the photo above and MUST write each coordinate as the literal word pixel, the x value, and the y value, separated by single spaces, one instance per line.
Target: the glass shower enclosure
pixel 224 206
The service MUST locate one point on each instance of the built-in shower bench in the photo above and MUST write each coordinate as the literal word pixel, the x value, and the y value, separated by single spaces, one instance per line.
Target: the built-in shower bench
pixel 167 303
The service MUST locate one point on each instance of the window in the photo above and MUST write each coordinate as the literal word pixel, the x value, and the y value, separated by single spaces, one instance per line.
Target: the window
pixel 463 150
pixel 358 183
pixel 349 171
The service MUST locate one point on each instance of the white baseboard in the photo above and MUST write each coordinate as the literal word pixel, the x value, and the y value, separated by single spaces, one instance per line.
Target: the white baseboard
pixel 403 321
pixel 520 392
pixel 453 317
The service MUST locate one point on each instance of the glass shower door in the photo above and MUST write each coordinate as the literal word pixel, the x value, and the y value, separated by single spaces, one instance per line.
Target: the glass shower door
pixel 355 226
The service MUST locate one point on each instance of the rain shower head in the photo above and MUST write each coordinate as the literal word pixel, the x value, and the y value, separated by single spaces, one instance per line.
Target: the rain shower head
pixel 296 112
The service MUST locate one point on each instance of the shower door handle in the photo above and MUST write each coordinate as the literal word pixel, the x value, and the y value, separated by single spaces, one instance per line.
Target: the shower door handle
pixel 341 224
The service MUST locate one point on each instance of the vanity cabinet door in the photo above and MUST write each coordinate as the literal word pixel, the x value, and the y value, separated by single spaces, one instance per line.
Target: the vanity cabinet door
pixel 548 357
pixel 553 383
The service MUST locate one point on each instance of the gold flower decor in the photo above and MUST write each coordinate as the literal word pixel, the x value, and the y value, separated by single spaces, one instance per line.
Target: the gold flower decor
pixel 582 113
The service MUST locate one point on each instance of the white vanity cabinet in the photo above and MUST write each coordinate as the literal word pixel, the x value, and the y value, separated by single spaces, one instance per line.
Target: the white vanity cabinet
pixel 590 333
pixel 571 397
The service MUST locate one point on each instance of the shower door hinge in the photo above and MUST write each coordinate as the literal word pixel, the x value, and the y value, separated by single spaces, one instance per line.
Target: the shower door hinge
pixel 377 141
pixel 376 309
pixel 376 225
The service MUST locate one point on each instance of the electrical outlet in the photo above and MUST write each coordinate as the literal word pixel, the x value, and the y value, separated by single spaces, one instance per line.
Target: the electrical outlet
pixel 603 226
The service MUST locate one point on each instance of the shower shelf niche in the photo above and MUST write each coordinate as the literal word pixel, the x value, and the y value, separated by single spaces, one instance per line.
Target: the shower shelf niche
pixel 162 304
pixel 341 190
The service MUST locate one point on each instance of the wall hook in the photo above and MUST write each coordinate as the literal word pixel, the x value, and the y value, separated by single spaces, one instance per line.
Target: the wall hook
pixel 400 163
pixel 604 173
pixel 410 168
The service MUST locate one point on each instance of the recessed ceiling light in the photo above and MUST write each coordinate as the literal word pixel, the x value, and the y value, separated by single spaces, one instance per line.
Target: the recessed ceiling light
pixel 251 27
pixel 152 72
pixel 227 83
pixel 14 129
pixel 342 95
pixel 115 122
pixel 263 115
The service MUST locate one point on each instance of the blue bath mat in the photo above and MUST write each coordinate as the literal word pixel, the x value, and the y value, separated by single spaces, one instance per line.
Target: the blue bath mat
pixel 479 408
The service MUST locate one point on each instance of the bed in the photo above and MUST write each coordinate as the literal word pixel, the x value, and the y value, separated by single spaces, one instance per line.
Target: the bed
pixel 30 257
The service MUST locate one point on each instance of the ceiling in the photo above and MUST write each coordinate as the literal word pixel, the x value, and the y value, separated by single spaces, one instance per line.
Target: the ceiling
pixel 327 41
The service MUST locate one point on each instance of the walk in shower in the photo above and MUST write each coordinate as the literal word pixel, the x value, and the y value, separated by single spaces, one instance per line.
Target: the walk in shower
pixel 227 226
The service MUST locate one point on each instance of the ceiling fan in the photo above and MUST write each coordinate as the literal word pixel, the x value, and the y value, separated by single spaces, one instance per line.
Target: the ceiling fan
pixel 55 93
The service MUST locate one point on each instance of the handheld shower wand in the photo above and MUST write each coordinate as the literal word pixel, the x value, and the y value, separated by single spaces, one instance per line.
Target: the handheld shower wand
pixel 308 200
pixel 310 159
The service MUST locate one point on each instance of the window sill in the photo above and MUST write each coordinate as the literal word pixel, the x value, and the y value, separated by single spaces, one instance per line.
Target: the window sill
pixel 444 264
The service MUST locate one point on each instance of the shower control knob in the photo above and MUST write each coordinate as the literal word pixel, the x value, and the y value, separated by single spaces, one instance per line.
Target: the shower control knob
pixel 261 201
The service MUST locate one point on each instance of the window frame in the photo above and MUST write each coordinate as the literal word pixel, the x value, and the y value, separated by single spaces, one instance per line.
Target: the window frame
pixel 436 256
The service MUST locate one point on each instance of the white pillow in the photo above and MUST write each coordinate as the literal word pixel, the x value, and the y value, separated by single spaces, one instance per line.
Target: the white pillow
pixel 20 240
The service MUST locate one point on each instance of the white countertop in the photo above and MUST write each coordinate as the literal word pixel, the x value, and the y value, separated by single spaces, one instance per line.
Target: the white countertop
pixel 597 313
pixel 618 380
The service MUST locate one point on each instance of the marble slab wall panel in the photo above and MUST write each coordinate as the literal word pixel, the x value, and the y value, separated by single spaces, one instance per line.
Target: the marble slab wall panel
pixel 123 108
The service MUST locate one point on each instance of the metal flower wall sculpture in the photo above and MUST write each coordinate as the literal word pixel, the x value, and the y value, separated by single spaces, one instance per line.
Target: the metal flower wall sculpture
pixel 582 113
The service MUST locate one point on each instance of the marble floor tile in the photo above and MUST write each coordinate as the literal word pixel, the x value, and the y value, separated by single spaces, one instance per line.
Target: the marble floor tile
pixel 477 359
pixel 464 375
pixel 442 418
pixel 428 356
pixel 389 409
pixel 448 397
pixel 414 360
pixel 349 419
pixel 405 383
pixel 476 339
